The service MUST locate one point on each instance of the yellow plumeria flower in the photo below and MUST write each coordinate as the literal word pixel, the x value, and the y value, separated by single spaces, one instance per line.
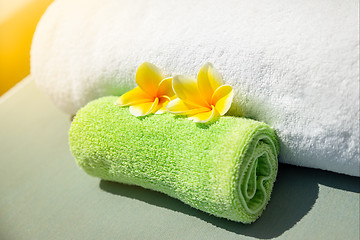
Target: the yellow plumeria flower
pixel 203 100
pixel 153 93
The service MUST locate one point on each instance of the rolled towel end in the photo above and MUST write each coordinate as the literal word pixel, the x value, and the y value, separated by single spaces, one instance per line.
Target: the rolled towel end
pixel 226 168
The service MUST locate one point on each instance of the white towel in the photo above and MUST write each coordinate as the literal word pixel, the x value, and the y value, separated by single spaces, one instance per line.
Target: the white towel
pixel 293 64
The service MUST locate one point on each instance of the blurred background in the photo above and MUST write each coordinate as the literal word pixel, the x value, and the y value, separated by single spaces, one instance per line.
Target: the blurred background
pixel 18 20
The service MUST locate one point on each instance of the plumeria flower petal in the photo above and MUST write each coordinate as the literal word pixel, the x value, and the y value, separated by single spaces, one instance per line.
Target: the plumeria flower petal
pixel 143 109
pixel 165 88
pixel 205 116
pixel 222 98
pixel 148 77
pixel 187 90
pixel 180 107
pixel 208 80
pixel 163 101
pixel 135 96
pixel 204 99
pixel 153 93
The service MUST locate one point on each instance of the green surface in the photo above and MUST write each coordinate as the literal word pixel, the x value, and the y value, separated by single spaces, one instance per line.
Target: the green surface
pixel 44 195
pixel 226 168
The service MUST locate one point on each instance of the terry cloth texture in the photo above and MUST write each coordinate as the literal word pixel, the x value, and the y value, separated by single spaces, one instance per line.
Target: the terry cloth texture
pixel 293 64
pixel 227 168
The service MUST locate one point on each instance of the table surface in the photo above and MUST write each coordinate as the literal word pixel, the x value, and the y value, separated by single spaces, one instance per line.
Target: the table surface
pixel 44 195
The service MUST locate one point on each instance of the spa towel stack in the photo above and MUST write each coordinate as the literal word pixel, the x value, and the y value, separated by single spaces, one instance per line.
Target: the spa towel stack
pixel 227 168
pixel 293 64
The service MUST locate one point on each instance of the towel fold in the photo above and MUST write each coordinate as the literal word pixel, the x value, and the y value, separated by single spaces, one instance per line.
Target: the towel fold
pixel 227 168
pixel 292 64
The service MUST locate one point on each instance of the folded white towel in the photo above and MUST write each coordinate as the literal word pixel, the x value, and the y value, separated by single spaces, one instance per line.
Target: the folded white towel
pixel 293 64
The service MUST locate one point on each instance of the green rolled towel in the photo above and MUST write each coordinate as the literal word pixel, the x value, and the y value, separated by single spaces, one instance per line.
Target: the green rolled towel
pixel 227 168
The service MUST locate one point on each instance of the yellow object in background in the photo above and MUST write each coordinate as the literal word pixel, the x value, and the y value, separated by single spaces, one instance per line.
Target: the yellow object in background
pixel 18 20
